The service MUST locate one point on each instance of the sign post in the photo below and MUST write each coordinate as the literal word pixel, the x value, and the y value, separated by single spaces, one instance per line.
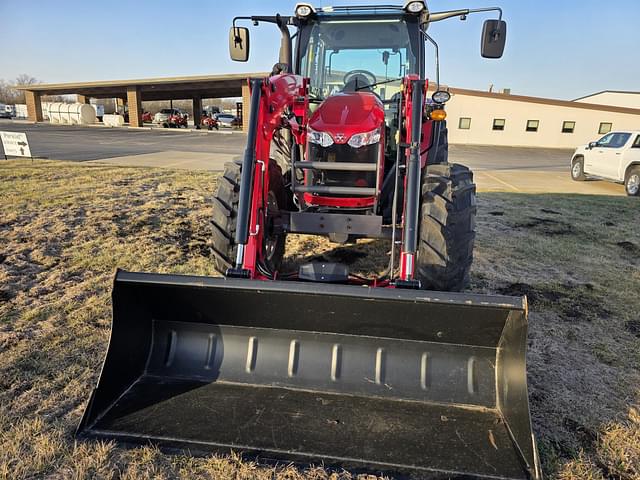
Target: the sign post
pixel 15 144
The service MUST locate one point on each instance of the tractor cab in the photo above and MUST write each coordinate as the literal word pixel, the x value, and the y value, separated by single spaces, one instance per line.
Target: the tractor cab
pixel 362 51
pixel 355 61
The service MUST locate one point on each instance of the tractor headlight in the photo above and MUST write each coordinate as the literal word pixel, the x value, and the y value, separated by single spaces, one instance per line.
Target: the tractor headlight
pixel 303 10
pixel 414 6
pixel 320 138
pixel 368 138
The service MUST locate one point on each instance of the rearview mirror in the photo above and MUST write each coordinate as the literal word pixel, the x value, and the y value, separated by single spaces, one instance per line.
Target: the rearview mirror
pixel 593 145
pixel 494 36
pixel 239 44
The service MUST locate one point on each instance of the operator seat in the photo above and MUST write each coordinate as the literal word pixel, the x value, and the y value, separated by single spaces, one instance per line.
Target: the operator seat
pixel 358 83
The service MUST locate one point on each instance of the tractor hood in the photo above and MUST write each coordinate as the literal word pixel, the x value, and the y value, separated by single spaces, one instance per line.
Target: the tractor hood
pixel 345 114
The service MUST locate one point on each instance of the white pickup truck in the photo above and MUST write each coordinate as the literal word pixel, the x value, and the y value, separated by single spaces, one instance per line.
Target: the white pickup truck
pixel 616 157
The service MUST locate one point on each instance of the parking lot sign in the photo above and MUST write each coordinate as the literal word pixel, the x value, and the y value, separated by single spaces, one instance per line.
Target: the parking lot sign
pixel 15 144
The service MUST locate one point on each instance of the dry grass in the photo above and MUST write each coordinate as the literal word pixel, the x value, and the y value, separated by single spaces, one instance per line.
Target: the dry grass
pixel 65 228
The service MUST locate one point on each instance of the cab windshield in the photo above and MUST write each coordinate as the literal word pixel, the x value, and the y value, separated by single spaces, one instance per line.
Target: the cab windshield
pixel 372 55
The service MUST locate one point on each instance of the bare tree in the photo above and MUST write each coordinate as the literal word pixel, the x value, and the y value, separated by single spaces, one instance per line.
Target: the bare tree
pixel 9 94
pixel 24 79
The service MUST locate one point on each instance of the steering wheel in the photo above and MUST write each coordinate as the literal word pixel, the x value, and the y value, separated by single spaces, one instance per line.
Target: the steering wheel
pixel 351 76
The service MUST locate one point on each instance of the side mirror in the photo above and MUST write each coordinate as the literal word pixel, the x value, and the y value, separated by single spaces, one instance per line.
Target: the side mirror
pixel 593 145
pixel 494 37
pixel 239 44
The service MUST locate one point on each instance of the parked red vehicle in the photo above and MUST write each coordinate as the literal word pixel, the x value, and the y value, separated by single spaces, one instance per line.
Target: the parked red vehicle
pixel 147 117
pixel 210 123
pixel 176 121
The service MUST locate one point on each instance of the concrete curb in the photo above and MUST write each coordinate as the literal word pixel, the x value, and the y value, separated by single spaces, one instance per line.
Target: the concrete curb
pixel 25 122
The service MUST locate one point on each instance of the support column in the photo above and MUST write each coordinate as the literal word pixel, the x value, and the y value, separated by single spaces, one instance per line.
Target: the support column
pixel 197 111
pixel 82 99
pixel 119 105
pixel 34 107
pixel 246 106
pixel 134 101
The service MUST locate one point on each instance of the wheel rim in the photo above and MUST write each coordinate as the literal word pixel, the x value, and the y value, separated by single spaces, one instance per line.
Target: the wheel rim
pixel 576 170
pixel 633 184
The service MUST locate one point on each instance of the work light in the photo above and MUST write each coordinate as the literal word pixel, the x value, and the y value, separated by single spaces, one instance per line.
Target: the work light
pixel 303 10
pixel 441 96
pixel 414 6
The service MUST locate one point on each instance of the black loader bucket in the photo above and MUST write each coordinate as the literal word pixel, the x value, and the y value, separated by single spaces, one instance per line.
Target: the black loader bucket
pixel 405 382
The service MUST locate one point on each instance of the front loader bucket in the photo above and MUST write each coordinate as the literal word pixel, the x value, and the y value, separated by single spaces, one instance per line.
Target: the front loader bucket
pixel 398 381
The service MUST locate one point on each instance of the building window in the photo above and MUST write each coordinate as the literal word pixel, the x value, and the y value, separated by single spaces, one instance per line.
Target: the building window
pixel 532 125
pixel 605 128
pixel 568 127
pixel 464 123
pixel 498 123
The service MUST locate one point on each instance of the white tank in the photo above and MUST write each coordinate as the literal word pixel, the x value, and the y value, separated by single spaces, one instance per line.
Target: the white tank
pixel 71 113
pixel 114 120
pixel 54 112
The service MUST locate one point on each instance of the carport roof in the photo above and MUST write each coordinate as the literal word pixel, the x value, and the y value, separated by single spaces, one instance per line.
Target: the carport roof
pixel 228 85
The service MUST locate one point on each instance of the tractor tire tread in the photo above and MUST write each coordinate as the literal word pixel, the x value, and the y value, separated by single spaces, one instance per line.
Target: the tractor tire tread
pixel 223 225
pixel 447 227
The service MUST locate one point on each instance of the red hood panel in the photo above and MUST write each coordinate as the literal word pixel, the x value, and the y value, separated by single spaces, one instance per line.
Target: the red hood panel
pixel 344 114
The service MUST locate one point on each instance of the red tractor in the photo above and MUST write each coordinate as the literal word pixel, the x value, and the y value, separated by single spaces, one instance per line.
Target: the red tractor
pixel 391 373
pixel 209 123
pixel 176 120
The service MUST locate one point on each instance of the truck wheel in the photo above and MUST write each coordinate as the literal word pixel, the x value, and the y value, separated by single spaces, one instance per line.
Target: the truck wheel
pixel 577 169
pixel 225 213
pixel 447 227
pixel 632 182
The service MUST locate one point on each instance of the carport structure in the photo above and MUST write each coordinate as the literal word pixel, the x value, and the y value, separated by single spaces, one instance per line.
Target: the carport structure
pixel 133 92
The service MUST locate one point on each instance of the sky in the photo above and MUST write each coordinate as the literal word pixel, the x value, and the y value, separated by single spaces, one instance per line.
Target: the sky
pixel 555 48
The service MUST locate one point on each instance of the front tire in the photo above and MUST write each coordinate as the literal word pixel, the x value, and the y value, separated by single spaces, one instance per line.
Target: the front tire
pixel 632 182
pixel 577 170
pixel 447 227
pixel 225 214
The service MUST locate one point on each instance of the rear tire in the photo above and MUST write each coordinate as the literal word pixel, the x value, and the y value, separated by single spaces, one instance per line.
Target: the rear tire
pixel 577 170
pixel 447 227
pixel 225 214
pixel 632 182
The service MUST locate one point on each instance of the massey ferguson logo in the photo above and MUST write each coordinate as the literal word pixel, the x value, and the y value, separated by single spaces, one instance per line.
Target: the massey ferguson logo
pixel 340 137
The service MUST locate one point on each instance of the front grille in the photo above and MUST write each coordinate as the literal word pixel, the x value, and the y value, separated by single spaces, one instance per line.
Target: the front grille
pixel 342 154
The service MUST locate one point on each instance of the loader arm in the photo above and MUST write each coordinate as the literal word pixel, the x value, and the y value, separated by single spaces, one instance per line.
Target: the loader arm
pixel 282 101
pixel 276 102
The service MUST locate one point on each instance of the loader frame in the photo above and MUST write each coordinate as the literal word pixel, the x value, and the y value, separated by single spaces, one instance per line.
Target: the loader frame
pixel 281 101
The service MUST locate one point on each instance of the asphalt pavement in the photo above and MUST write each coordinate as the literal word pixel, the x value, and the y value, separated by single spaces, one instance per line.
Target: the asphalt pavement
pixel 210 150
pixel 85 143
pixel 511 169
